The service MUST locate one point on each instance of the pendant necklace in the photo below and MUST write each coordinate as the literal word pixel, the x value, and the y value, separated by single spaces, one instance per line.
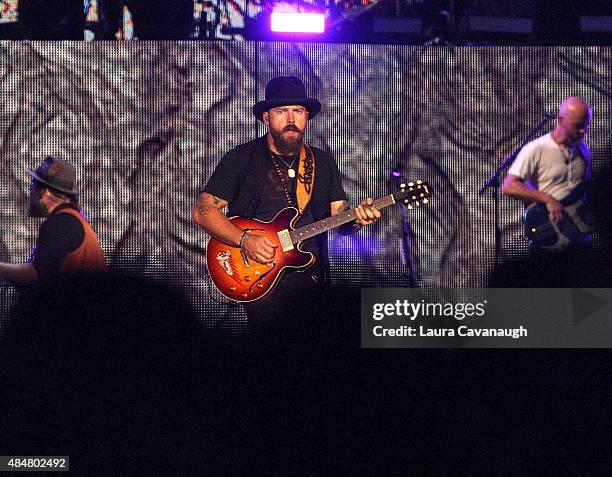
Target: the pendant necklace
pixel 290 169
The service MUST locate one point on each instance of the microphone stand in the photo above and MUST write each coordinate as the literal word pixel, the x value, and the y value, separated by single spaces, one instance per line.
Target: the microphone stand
pixel 493 182
pixel 406 243
pixel 407 248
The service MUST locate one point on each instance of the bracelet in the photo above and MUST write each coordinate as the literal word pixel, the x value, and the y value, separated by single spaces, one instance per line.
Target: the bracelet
pixel 243 239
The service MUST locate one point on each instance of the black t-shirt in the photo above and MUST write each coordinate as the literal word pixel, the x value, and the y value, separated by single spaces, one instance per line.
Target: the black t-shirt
pixel 247 178
pixel 274 198
pixel 58 235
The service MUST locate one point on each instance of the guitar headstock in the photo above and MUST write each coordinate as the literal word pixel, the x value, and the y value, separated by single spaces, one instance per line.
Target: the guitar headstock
pixel 413 194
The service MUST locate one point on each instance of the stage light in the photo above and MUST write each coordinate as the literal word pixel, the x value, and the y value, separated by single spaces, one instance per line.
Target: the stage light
pixel 297 22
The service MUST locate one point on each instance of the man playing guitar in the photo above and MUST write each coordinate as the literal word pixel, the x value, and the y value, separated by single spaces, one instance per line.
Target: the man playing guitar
pixel 262 177
pixel 557 165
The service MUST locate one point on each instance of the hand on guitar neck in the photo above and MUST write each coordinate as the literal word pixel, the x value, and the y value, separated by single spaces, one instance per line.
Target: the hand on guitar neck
pixel 366 213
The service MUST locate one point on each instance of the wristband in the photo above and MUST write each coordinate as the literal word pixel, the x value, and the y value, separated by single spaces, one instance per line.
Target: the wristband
pixel 242 254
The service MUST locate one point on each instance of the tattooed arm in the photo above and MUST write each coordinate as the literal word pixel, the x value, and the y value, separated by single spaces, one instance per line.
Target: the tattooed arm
pixel 207 214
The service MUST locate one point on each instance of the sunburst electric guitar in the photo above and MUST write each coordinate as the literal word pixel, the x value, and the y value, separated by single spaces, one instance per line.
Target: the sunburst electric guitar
pixel 242 279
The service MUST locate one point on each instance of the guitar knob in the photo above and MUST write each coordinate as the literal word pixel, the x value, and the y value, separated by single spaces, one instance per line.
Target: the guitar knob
pixel 244 295
pixel 247 278
pixel 233 288
pixel 260 285
pixel 257 272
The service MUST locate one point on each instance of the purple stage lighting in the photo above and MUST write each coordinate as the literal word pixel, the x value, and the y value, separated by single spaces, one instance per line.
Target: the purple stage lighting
pixel 297 22
pixel 363 245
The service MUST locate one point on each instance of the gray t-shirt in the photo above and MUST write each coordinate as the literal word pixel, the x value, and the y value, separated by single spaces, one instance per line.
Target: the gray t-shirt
pixel 549 168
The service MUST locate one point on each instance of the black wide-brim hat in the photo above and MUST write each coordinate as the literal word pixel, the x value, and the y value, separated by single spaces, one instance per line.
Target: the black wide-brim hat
pixel 57 174
pixel 284 91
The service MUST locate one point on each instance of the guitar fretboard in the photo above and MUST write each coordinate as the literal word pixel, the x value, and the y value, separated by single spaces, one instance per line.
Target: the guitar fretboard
pixel 316 228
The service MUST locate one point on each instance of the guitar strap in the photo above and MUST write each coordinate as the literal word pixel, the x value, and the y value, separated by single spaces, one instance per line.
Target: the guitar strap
pixel 306 173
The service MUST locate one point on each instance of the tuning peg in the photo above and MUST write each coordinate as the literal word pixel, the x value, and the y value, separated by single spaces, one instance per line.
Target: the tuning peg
pixel 402 186
pixel 410 184
pixel 425 201
pixel 410 207
pixel 417 203
pixel 419 182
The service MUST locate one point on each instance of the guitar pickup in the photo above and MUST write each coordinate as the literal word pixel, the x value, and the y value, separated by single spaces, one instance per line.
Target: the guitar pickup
pixel 285 240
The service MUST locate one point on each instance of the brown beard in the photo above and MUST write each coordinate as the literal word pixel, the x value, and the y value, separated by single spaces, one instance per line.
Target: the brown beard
pixel 288 147
pixel 35 207
pixel 36 210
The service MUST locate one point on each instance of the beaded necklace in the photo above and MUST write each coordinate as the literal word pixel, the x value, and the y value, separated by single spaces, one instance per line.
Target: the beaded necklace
pixel 305 180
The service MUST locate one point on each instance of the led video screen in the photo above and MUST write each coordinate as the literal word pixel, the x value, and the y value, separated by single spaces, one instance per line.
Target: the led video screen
pixel 145 123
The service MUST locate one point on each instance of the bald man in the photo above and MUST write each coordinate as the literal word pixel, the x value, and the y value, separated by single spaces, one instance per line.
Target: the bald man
pixel 549 168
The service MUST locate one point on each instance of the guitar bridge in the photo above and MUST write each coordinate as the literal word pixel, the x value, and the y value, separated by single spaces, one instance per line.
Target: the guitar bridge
pixel 285 240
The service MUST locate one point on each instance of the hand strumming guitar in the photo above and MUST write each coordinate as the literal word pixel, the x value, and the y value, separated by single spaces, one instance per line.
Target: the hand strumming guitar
pixel 259 248
pixel 555 210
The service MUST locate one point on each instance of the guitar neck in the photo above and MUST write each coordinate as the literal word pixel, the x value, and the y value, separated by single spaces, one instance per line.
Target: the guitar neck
pixel 316 228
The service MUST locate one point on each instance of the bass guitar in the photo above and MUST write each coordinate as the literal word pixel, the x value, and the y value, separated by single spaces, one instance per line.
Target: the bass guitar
pixel 539 229
pixel 245 280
